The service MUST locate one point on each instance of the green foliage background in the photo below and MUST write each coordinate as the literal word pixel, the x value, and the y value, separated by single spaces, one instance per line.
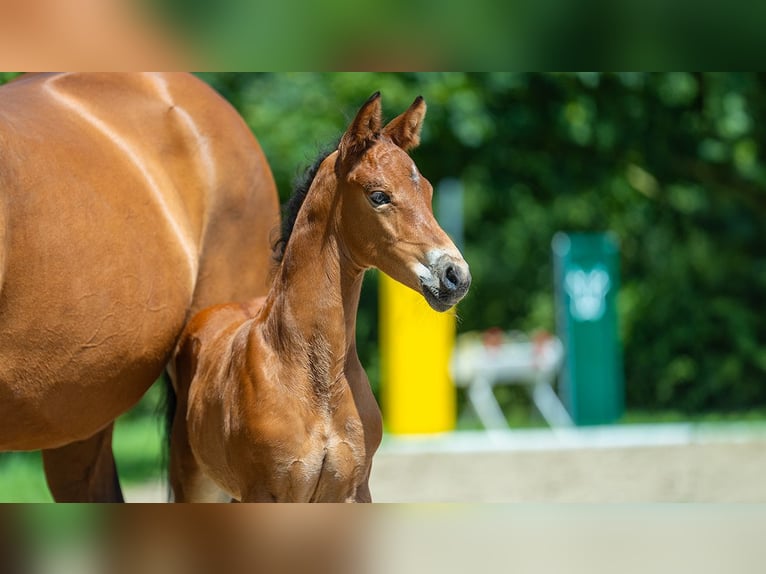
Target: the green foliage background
pixel 671 163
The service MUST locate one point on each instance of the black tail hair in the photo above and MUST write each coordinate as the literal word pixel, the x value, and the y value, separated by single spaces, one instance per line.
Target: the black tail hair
pixel 167 409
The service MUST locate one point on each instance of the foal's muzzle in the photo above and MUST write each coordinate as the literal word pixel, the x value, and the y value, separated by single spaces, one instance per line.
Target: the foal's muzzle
pixel 447 284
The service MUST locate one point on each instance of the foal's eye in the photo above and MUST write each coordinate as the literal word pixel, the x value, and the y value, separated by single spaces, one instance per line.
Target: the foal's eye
pixel 379 198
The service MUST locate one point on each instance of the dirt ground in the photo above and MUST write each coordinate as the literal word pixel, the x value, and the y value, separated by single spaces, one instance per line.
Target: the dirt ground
pixel 540 467
pixel 693 473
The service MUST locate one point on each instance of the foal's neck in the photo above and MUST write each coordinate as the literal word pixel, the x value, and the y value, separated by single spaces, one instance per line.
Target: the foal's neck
pixel 314 298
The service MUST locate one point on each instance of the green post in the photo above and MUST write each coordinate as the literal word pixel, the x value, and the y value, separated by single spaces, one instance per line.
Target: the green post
pixel 586 274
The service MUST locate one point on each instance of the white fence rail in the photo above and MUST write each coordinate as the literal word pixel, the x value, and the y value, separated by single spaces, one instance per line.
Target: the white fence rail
pixel 481 362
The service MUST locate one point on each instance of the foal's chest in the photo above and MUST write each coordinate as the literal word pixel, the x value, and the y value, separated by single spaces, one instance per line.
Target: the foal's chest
pixel 327 466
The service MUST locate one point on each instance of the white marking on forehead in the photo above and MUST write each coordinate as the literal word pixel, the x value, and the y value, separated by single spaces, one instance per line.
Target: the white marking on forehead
pixel 414 174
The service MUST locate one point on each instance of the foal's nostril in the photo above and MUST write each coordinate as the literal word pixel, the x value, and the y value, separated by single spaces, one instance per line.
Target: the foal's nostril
pixel 451 277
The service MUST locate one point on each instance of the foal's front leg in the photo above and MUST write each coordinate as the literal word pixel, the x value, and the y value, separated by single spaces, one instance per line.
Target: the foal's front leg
pixel 363 493
pixel 187 480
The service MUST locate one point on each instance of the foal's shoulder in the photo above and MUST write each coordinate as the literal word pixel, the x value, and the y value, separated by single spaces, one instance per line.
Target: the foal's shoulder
pixel 210 331
pixel 214 319
pixel 252 307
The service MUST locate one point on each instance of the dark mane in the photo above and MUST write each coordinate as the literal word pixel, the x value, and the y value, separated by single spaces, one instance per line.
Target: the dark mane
pixel 290 210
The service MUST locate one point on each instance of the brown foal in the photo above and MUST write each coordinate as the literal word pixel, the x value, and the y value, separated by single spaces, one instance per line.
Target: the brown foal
pixel 273 403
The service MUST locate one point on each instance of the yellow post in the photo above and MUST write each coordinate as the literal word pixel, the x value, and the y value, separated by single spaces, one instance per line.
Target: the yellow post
pixel 416 345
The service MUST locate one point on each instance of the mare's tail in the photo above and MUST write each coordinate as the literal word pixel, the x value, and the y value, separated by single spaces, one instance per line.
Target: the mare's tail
pixel 167 409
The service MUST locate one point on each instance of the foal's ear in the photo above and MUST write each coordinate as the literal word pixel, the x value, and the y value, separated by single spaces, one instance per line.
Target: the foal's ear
pixel 404 130
pixel 363 130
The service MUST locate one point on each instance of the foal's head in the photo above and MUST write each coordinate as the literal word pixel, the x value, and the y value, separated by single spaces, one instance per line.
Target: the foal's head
pixel 386 220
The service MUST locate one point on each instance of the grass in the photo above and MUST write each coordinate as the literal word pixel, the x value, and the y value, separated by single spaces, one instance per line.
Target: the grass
pixel 21 478
pixel 521 413
pixel 137 450
pixel 757 415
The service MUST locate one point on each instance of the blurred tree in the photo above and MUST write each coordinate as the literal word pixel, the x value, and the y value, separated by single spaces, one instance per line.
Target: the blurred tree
pixel 673 164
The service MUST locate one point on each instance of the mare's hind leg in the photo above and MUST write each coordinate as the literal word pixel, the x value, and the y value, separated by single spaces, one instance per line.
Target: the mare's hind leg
pixel 84 471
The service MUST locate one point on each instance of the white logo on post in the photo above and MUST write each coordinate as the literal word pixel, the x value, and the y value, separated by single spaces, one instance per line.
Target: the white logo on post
pixel 587 292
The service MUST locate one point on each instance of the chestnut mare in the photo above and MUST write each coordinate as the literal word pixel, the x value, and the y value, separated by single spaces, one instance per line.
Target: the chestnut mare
pixel 273 403
pixel 128 202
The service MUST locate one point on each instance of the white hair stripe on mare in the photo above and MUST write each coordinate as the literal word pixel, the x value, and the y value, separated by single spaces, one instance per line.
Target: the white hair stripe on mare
pixel 208 171
pixel 184 240
pixel 203 143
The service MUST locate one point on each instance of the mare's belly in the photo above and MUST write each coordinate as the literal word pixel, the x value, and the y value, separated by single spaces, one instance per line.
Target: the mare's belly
pixel 85 328
pixel 63 389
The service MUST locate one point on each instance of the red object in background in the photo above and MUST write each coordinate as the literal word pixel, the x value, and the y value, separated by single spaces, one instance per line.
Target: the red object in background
pixel 493 337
